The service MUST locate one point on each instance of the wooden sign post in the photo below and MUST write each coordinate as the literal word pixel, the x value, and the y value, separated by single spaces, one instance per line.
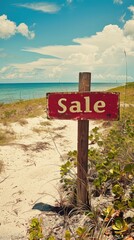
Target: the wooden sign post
pixel 82 153
pixel 82 106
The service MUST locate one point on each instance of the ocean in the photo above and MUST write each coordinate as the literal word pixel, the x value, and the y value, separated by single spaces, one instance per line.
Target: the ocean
pixel 12 92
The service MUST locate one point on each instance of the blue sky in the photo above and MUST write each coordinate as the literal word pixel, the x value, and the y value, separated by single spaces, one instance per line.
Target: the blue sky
pixel 52 41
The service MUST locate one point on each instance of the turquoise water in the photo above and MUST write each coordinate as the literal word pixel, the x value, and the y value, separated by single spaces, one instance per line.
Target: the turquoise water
pixel 12 92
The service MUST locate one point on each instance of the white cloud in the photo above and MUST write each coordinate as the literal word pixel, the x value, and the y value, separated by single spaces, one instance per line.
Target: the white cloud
pixel 40 64
pixel 131 8
pixel 102 54
pixel 111 76
pixel 110 35
pixel 42 6
pixel 23 29
pixel 38 69
pixel 129 28
pixel 4 69
pixel 9 28
pixel 118 1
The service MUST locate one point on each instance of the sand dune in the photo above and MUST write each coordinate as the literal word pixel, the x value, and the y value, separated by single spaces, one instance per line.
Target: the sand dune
pixel 31 170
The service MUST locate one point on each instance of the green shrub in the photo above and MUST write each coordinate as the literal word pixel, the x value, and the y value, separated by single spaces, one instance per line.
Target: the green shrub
pixel 35 230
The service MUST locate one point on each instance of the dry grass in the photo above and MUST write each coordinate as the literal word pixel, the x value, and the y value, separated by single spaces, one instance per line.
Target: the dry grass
pixel 126 93
pixel 126 99
pixel 23 122
pixel 1 166
pixel 37 147
pixel 39 130
pixel 60 128
pixel 23 109
pixel 45 123
pixel 6 136
pixel 57 136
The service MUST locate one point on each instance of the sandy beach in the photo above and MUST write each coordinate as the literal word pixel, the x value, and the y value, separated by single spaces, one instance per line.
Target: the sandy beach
pixel 32 170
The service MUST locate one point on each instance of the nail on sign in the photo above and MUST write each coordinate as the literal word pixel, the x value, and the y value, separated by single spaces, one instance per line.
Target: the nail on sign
pixel 83 106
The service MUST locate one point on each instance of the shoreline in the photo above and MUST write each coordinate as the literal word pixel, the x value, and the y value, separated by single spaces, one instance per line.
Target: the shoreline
pixel 15 92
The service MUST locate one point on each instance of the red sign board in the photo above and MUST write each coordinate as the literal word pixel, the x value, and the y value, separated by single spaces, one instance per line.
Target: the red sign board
pixel 83 105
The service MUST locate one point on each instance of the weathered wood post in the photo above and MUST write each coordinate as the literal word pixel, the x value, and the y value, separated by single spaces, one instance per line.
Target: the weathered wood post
pixel 82 157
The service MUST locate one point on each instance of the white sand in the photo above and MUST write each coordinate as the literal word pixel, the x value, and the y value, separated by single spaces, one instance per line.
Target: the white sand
pixel 31 172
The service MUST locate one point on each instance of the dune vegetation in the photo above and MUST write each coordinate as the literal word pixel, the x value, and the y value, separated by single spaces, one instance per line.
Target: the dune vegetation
pixel 22 109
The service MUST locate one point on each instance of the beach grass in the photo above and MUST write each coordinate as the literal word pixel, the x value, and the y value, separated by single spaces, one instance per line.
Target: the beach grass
pixel 126 92
pixel 6 136
pixel 126 99
pixel 19 111
pixel 1 166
